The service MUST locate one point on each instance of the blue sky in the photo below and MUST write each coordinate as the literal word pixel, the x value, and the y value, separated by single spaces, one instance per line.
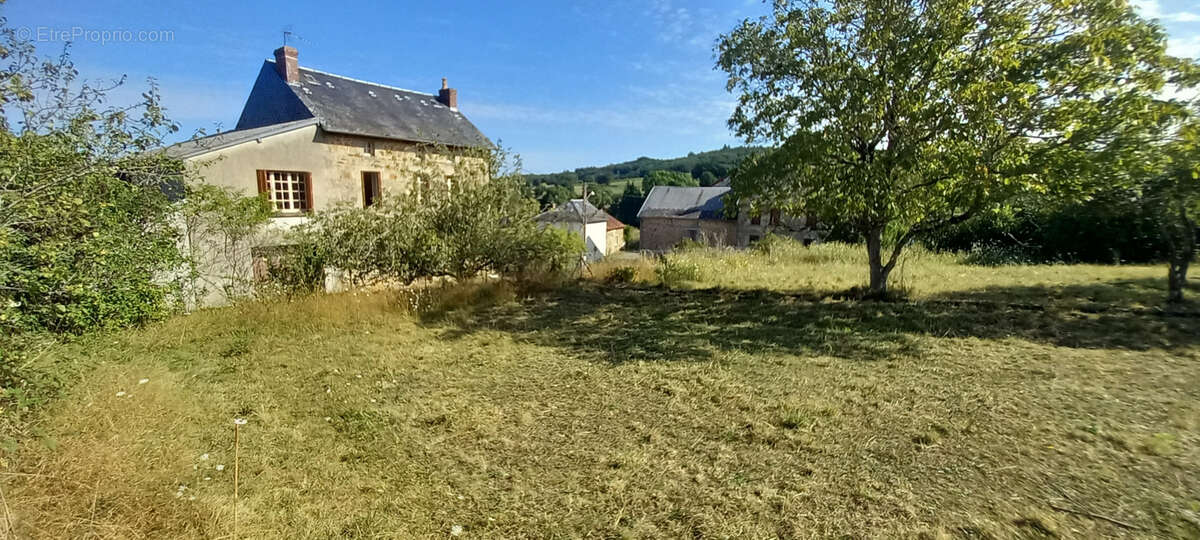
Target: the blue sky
pixel 564 84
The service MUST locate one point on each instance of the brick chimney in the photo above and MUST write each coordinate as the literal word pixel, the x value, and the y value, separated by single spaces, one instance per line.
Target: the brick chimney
pixel 448 96
pixel 287 64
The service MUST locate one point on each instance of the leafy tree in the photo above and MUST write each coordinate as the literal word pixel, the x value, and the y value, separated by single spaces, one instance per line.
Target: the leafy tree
pixel 668 178
pixel 602 197
pixel 1172 193
pixel 707 178
pixel 551 195
pixel 902 117
pixel 626 208
pixel 85 230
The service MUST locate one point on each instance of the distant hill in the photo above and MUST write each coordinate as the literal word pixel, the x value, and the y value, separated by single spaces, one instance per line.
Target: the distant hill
pixel 708 167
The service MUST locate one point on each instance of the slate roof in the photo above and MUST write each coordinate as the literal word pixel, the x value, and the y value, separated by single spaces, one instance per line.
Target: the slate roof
pixel 684 202
pixel 350 106
pixel 217 141
pixel 574 211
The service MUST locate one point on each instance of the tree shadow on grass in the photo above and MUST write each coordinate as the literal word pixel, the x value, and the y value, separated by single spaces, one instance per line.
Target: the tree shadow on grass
pixel 630 324
pixel 1097 296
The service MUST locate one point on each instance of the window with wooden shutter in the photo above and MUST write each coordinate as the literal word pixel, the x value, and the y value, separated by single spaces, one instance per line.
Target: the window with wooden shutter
pixel 290 192
pixel 371 188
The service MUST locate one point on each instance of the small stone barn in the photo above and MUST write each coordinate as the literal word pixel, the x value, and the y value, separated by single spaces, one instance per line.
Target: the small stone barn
pixel 672 214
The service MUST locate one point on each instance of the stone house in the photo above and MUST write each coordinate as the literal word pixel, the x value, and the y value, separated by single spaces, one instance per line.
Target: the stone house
pixel 307 140
pixel 672 214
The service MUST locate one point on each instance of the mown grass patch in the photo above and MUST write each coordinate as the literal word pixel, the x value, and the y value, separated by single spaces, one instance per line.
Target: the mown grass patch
pixel 622 411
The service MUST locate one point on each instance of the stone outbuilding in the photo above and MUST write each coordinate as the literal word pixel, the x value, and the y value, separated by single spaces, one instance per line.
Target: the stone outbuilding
pixel 672 214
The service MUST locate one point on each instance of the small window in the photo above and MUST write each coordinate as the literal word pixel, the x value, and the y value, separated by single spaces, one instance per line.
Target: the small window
pixel 290 192
pixel 774 217
pixel 369 148
pixel 756 220
pixel 371 192
pixel 753 239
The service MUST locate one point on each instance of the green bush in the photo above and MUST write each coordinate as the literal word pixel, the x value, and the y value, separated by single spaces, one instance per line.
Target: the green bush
pixel 471 226
pixel 86 238
pixel 674 271
pixel 773 244
pixel 621 275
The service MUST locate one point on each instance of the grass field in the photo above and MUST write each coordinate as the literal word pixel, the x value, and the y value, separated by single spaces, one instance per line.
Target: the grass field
pixel 617 186
pixel 1035 401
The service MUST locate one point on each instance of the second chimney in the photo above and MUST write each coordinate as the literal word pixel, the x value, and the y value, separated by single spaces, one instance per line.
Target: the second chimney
pixel 448 96
pixel 287 64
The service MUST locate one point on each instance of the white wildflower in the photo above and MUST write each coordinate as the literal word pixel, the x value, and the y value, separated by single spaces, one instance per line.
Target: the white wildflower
pixel 143 381
pixel 121 393
pixel 203 457
pixel 208 478
pixel 327 418
pixel 220 468
pixel 192 498
pixel 456 530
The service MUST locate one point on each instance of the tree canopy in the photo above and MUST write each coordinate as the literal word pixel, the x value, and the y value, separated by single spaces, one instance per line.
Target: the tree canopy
pixel 900 117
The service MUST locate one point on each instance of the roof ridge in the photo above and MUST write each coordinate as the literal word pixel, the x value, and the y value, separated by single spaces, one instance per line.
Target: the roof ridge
pixel 381 85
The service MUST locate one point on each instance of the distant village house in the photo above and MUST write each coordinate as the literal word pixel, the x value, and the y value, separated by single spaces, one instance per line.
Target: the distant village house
pixel 673 214
pixel 602 234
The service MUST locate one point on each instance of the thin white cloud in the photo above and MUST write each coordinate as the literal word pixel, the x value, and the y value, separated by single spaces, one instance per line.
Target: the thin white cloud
pixel 1184 47
pixel 1151 9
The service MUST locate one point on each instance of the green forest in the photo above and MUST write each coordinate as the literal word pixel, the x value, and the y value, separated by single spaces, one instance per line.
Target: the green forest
pixel 706 167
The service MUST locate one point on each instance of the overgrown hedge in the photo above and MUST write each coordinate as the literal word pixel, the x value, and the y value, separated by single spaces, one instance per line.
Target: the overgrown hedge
pixel 1110 229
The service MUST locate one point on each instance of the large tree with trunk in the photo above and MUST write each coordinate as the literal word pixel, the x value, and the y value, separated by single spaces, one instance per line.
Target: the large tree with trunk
pixel 1168 182
pixel 900 117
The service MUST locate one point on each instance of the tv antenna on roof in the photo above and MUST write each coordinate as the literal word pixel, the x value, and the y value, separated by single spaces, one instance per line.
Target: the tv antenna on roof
pixel 289 34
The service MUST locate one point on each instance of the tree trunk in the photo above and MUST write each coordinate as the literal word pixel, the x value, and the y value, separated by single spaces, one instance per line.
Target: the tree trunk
pixel 1180 232
pixel 1176 279
pixel 879 271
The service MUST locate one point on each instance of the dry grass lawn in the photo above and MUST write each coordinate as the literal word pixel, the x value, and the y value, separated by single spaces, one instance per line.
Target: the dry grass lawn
pixel 762 409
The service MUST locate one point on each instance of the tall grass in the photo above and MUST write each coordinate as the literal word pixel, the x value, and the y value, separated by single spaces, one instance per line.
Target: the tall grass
pixel 833 268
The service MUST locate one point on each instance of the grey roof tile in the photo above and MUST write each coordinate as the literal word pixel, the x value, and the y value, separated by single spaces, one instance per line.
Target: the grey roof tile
pixel 574 211
pixel 355 107
pixel 684 202
pixel 217 141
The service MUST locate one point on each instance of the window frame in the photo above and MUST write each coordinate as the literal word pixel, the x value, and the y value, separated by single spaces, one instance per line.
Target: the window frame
pixel 265 189
pixel 376 184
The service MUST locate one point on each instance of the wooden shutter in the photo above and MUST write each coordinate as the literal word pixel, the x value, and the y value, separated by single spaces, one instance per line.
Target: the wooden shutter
pixel 262 182
pixel 308 193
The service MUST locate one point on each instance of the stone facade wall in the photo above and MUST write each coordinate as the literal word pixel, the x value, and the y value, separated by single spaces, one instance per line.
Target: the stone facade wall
pixel 662 234
pixel 616 241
